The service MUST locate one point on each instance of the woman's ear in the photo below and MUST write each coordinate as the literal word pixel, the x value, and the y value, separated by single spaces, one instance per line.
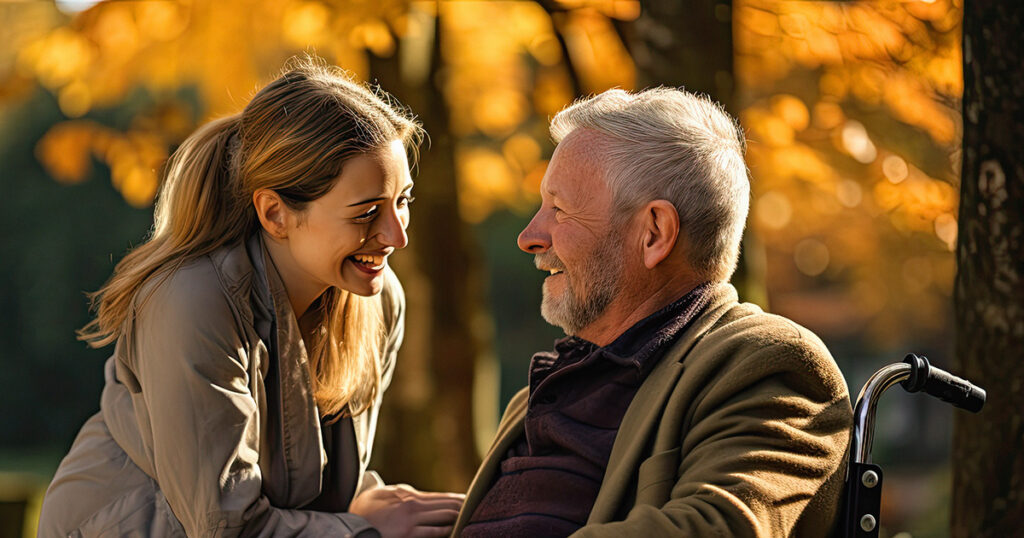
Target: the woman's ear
pixel 272 212
pixel 660 229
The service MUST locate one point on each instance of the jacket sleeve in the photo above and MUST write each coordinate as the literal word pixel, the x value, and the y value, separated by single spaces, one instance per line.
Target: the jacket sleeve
pixel 762 454
pixel 193 372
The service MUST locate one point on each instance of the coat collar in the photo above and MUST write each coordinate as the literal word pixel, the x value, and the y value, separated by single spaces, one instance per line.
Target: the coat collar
pixel 638 424
pixel 294 469
pixel 509 431
pixel 642 416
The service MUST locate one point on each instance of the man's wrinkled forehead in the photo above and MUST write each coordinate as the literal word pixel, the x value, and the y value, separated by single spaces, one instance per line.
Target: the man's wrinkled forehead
pixel 580 155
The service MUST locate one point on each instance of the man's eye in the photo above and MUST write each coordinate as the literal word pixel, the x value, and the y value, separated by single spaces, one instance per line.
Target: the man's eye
pixel 368 215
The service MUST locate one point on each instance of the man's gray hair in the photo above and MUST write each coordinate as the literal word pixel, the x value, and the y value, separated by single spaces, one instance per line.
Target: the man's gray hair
pixel 669 144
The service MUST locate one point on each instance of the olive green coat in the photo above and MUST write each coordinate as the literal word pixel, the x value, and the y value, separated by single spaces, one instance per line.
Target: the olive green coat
pixel 740 430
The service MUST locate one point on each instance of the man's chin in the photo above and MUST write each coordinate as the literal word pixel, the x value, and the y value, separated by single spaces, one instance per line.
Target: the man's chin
pixel 554 313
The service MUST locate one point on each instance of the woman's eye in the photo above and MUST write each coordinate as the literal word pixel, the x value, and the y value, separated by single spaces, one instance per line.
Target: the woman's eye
pixel 406 201
pixel 368 215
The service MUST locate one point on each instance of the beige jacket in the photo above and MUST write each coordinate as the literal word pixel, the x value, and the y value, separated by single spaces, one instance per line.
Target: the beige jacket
pixel 189 440
pixel 740 430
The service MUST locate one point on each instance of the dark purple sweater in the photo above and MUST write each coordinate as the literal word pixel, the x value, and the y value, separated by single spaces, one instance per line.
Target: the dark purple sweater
pixel 579 393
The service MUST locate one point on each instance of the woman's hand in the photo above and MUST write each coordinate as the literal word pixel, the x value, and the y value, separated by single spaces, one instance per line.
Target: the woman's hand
pixel 399 511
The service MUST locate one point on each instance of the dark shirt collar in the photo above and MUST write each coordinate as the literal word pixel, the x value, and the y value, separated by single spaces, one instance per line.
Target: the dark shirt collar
pixel 655 332
pixel 641 343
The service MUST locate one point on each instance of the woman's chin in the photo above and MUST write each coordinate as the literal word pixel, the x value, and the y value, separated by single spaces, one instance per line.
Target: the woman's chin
pixel 363 287
pixel 365 291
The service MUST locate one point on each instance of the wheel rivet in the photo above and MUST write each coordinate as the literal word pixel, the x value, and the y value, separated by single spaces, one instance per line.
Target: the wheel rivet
pixel 867 522
pixel 869 479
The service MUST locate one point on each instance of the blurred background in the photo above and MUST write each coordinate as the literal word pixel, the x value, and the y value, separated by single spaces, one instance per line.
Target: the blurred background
pixel 851 109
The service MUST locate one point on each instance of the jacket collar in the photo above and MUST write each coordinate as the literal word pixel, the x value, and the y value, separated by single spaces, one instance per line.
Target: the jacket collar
pixel 637 425
pixel 642 416
pixel 294 469
pixel 509 431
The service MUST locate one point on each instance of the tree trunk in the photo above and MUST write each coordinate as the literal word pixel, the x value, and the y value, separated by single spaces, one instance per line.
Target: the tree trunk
pixel 988 472
pixel 425 434
pixel 685 44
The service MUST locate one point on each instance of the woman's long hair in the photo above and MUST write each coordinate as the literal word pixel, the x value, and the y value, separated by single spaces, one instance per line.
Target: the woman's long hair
pixel 293 137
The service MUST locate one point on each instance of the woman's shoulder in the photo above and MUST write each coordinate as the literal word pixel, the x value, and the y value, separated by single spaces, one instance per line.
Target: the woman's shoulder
pixel 188 294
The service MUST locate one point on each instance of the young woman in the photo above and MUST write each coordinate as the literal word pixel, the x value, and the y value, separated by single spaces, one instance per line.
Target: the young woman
pixel 255 333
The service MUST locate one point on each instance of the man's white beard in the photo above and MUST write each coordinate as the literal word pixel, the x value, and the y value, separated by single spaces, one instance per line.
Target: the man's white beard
pixel 599 277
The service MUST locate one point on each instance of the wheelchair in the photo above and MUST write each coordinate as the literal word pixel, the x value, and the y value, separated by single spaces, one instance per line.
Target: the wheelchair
pixel 863 486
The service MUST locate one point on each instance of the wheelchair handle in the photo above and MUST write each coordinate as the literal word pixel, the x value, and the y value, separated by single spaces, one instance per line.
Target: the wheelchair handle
pixel 943 385
pixel 915 374
pixel 863 487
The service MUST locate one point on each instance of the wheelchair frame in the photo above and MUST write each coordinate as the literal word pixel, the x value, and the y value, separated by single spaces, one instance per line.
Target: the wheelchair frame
pixel 863 487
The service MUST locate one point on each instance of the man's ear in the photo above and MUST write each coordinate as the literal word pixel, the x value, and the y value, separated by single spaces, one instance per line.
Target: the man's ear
pixel 272 212
pixel 660 231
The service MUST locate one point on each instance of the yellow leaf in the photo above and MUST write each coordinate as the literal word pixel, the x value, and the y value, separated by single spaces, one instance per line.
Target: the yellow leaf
pixel 139 187
pixel 304 22
pixel 75 99
pixel 792 110
pixel 65 150
pixel 497 112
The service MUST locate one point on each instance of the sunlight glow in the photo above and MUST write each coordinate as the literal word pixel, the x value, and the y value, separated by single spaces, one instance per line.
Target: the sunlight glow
pixel 857 142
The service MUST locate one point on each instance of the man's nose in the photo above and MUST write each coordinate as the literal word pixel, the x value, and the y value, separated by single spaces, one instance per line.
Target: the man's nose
pixel 534 238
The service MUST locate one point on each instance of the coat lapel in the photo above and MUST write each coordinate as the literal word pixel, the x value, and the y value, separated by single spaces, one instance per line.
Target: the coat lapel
pixel 294 427
pixel 509 431
pixel 644 412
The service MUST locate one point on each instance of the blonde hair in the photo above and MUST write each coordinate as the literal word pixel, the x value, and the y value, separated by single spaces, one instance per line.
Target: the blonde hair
pixel 670 144
pixel 293 137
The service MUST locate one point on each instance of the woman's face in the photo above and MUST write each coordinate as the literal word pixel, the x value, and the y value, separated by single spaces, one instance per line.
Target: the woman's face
pixel 344 238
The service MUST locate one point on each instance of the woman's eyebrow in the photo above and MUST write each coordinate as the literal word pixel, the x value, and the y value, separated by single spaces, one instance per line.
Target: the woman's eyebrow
pixel 369 201
pixel 380 198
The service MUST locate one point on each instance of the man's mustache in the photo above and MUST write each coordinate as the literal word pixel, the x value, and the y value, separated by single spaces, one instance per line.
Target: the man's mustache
pixel 548 260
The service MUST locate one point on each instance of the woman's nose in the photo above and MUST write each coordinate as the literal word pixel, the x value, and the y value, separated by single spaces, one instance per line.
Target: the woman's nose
pixel 392 230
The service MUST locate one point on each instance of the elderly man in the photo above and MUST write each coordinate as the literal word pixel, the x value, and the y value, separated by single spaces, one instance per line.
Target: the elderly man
pixel 670 409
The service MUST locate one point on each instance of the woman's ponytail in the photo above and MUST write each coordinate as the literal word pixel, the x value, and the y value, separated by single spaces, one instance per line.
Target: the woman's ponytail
pixel 200 199
pixel 200 207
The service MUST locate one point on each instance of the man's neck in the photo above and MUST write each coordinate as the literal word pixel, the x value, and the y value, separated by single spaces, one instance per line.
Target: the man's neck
pixel 632 306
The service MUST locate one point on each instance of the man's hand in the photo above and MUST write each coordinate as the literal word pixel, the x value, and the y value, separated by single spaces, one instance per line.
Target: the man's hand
pixel 399 511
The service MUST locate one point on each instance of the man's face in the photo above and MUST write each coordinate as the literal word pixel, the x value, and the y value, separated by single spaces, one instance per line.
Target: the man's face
pixel 572 237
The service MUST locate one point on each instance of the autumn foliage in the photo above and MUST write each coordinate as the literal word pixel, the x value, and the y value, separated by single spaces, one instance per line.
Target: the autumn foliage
pixel 851 110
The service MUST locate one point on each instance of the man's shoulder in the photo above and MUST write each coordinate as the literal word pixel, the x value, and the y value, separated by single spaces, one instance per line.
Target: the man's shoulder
pixel 745 343
pixel 746 325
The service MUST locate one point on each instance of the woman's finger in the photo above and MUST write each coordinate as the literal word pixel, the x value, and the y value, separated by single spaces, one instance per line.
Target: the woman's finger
pixel 421 505
pixel 438 495
pixel 431 532
pixel 436 517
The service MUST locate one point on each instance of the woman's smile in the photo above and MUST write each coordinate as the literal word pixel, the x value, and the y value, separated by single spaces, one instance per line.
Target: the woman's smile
pixel 371 264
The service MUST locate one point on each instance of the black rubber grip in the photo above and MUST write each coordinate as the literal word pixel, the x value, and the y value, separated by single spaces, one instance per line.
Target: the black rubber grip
pixel 943 385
